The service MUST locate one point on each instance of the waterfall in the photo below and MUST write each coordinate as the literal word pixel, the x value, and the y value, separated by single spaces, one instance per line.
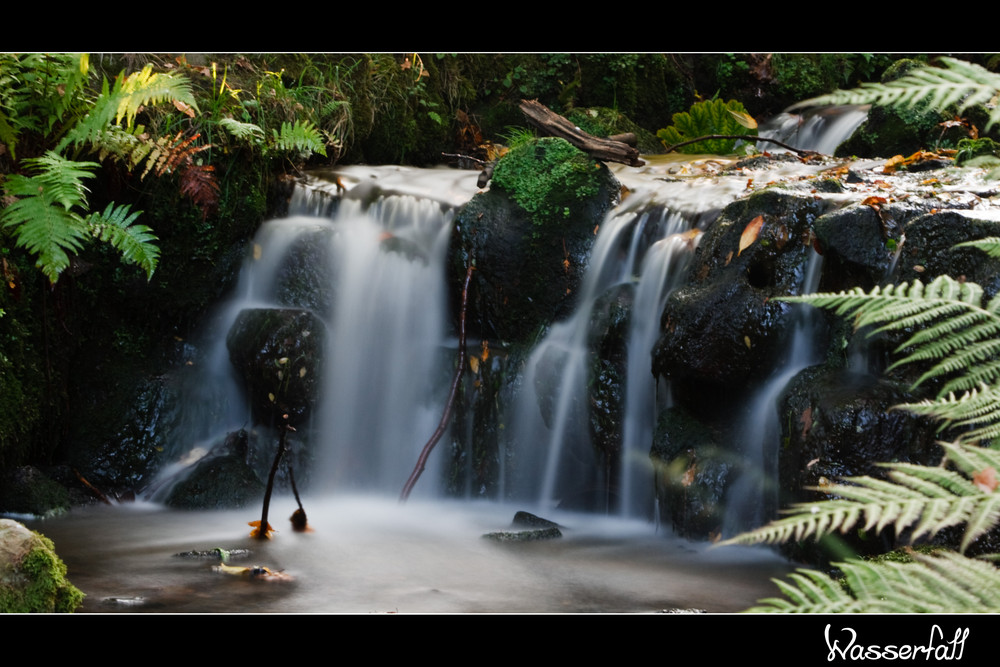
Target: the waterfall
pixel 374 276
pixel 640 253
pixel 752 499
pixel 820 130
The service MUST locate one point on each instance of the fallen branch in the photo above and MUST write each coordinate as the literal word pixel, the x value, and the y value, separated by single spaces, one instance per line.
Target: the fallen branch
pixel 552 124
pixel 456 380
pixel 801 152
pixel 263 530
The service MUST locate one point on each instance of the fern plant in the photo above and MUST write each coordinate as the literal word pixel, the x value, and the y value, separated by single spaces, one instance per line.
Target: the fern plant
pixel 953 332
pixel 300 138
pixel 957 82
pixel 49 219
pixel 949 328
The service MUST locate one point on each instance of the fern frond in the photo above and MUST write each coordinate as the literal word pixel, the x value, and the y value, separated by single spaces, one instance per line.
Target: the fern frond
pixel 247 132
pixel 199 184
pixel 123 102
pixel 924 499
pixel 47 231
pixel 810 592
pixel 136 243
pixel 958 82
pixel 300 137
pixel 953 328
pixel 989 245
pixel 941 583
pixel 42 217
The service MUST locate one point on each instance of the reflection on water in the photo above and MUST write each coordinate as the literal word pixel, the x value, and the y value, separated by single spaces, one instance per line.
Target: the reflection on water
pixel 376 556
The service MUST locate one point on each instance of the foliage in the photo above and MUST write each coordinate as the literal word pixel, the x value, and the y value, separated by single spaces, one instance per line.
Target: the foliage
pixel 947 327
pixel 300 137
pixel 969 149
pixel 47 210
pixel 916 500
pixel 956 83
pixel 954 332
pixel 943 582
pixel 46 220
pixel 708 118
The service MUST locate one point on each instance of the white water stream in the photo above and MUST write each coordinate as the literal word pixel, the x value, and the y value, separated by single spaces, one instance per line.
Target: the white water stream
pixel 389 363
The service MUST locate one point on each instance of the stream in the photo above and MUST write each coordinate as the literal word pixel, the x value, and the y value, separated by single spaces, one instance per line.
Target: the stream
pixel 367 553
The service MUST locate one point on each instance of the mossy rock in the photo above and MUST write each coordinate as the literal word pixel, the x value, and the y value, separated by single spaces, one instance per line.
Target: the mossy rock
pixel 529 238
pixel 32 576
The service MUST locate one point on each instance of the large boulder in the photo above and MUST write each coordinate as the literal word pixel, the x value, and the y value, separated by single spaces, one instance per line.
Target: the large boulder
pixel 32 576
pixel 278 354
pixel 724 331
pixel 529 237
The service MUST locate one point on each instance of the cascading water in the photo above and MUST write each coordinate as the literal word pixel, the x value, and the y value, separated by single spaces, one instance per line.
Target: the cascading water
pixel 752 499
pixel 641 255
pixel 374 277
pixel 384 306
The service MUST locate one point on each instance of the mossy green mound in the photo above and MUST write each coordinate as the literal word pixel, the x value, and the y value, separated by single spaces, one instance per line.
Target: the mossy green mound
pixel 32 577
pixel 548 178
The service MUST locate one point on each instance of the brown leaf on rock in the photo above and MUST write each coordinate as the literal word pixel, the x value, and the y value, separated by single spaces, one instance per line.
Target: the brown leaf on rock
pixel 750 233
pixel 806 420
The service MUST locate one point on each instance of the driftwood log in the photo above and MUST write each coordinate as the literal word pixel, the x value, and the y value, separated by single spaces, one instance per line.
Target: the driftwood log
pixel 552 124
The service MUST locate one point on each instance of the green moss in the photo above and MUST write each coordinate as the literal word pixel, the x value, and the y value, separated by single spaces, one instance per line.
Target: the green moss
pixel 47 590
pixel 547 178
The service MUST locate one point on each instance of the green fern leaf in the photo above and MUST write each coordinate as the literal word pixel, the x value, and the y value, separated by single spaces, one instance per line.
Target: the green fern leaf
pixel 46 230
pixel 300 137
pixel 958 82
pixel 922 499
pixel 123 102
pixel 42 217
pixel 247 132
pixel 136 243
pixel 941 583
pixel 954 329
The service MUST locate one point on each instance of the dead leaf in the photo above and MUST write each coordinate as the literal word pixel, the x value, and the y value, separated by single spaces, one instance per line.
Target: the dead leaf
pixel 485 346
pixel 986 480
pixel 184 108
pixel 687 479
pixel 474 363
pixel 256 529
pixel 744 119
pixel 750 233
pixel 806 420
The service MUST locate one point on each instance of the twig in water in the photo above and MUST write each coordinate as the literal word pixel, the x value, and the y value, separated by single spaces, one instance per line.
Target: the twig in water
pixel 456 380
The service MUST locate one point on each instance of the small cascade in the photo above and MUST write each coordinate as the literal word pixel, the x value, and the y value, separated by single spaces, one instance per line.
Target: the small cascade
pixel 637 259
pixel 662 269
pixel 820 130
pixel 752 498
pixel 383 388
pixel 373 275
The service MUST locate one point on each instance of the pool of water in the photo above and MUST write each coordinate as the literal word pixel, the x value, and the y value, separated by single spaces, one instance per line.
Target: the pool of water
pixel 373 555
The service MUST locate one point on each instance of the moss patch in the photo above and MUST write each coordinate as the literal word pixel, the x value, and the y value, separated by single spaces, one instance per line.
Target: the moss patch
pixel 547 178
pixel 32 576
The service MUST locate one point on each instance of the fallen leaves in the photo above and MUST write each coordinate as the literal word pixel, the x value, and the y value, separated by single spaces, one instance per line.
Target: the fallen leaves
pixel 254 573
pixel 750 233
pixel 256 532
